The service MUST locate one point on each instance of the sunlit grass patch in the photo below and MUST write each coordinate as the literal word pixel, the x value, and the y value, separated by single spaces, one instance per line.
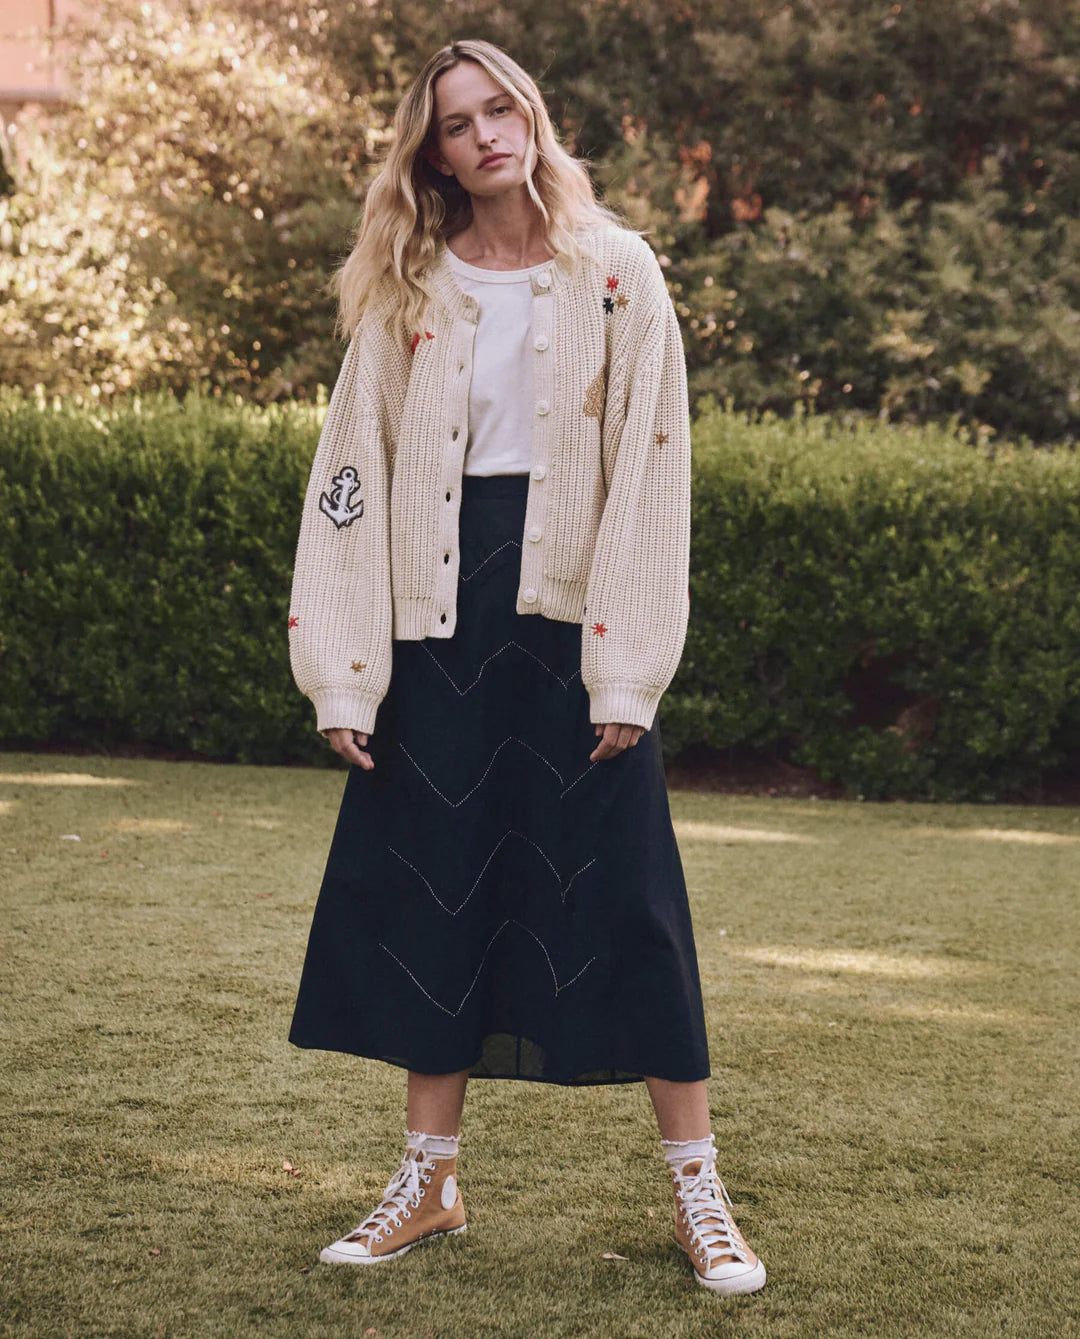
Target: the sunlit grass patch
pixel 1022 836
pixel 696 830
pixel 45 778
pixel 893 1030
pixel 900 966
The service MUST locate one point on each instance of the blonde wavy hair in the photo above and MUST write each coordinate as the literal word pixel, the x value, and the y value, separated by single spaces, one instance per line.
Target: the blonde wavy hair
pixel 409 204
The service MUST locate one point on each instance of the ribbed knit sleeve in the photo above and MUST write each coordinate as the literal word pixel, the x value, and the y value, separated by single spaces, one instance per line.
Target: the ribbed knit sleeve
pixel 637 601
pixel 341 612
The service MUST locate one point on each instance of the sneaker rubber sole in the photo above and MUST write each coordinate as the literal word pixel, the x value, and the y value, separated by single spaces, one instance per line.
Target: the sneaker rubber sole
pixel 330 1257
pixel 735 1285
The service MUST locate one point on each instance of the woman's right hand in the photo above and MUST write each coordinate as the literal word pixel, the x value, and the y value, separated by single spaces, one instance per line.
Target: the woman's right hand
pixel 345 742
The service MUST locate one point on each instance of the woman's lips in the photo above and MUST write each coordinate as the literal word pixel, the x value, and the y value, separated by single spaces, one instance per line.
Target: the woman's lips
pixel 494 162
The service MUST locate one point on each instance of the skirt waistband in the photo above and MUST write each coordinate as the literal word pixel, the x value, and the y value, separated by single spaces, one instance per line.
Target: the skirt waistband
pixel 494 485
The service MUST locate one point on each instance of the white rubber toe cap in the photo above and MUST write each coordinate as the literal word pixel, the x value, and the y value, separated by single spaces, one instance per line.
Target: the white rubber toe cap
pixel 733 1278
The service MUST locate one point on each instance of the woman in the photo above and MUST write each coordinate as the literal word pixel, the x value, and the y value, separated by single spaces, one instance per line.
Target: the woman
pixel 499 510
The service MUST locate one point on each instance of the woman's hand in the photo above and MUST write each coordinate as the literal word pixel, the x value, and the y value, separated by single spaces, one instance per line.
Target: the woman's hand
pixel 616 738
pixel 345 742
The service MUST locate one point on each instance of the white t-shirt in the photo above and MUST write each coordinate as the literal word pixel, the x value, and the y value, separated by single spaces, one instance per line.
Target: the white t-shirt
pixel 501 387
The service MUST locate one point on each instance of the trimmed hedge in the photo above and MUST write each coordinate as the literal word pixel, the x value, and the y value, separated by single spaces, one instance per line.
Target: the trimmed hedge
pixel 145 564
pixel 894 606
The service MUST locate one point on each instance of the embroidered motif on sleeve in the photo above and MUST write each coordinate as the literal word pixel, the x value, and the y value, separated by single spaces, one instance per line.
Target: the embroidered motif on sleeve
pixel 294 622
pixel 337 503
pixel 661 438
pixel 594 397
pixel 358 665
pixel 598 629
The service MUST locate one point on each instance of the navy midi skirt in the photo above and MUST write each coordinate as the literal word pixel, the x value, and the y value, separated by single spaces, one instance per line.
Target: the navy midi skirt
pixel 492 900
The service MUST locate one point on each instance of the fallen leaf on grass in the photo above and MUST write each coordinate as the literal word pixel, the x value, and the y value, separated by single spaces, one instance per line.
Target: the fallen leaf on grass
pixel 770 1053
pixel 287 1166
pixel 612 1255
pixel 370 1331
pixel 155 1251
pixel 70 837
pixel 650 1213
pixel 305 1269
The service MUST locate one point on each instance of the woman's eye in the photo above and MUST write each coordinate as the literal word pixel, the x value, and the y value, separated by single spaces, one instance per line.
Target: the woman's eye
pixel 455 128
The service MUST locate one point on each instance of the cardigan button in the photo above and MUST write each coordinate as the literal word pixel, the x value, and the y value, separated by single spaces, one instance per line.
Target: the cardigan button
pixel 538 471
pixel 544 279
pixel 528 595
pixel 540 342
pixel 542 406
pixel 534 533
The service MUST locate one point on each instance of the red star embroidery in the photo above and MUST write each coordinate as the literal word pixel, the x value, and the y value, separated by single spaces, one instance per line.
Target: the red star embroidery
pixel 294 622
pixel 599 629
pixel 612 283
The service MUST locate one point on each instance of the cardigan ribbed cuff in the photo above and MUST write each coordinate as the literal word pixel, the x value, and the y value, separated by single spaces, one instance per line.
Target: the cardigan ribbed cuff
pixel 345 709
pixel 624 703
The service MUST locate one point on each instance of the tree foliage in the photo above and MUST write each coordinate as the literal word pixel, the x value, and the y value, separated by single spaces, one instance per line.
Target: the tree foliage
pixel 865 207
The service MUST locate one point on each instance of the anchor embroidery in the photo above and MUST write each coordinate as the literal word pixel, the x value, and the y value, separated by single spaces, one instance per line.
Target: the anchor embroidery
pixel 335 504
pixel 594 397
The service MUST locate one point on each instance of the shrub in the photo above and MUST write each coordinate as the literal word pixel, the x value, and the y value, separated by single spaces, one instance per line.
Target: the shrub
pixel 893 606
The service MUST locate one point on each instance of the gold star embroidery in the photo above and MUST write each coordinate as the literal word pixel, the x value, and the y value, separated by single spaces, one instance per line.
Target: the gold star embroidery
pixel 621 300
pixel 358 665
pixel 661 438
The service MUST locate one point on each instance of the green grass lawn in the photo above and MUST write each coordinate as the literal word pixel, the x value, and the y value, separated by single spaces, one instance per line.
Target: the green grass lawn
pixel 892 1003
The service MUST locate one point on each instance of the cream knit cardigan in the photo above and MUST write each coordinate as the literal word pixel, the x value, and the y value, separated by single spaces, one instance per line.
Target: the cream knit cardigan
pixel 606 537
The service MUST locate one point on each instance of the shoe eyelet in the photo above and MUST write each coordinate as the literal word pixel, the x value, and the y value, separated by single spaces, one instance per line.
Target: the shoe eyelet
pixel 407 1214
pixel 421 1197
pixel 426 1179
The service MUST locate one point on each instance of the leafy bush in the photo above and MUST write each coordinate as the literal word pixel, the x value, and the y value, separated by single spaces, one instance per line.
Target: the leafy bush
pixel 872 211
pixel 145 563
pixel 893 606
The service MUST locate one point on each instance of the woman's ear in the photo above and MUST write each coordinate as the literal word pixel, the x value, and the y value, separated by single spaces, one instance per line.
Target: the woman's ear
pixel 435 159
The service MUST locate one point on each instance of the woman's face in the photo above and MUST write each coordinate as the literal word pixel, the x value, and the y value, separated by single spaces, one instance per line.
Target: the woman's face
pixel 473 120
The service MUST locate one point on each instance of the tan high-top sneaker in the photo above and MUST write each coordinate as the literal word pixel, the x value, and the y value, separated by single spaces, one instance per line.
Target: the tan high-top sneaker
pixel 421 1201
pixel 706 1231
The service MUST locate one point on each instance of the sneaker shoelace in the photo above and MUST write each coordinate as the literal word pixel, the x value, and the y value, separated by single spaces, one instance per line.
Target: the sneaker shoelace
pixel 704 1199
pixel 403 1191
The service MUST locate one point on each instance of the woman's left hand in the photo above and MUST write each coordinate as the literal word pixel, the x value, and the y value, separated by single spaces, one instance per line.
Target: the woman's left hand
pixel 616 738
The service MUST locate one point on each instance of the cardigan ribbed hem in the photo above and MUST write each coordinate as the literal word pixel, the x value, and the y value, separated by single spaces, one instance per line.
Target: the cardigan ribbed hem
pixel 345 709
pixel 625 703
pixel 415 619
